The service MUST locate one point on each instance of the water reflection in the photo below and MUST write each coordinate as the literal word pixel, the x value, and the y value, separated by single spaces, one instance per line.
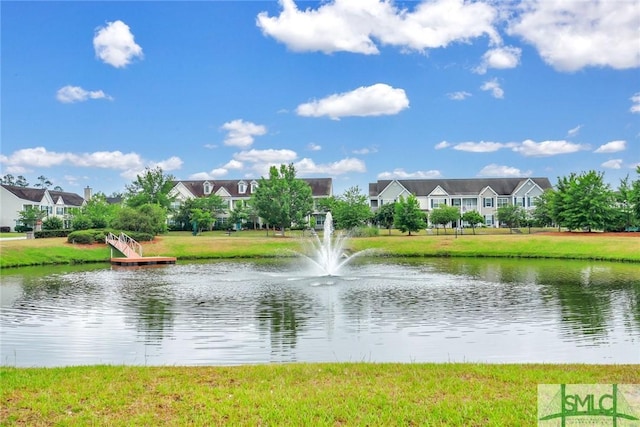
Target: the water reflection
pixel 400 310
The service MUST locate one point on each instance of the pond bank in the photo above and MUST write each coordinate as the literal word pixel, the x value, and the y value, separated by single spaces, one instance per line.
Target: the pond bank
pixel 250 244
pixel 294 394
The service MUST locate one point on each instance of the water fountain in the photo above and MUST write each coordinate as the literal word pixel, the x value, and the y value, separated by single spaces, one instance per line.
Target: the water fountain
pixel 328 253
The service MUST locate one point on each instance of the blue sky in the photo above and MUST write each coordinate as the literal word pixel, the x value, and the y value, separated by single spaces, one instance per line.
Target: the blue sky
pixel 94 92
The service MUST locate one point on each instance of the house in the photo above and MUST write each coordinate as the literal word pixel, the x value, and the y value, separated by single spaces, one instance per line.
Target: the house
pixel 14 199
pixel 484 195
pixel 235 190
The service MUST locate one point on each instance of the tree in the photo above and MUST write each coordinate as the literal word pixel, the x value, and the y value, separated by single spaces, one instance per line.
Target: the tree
pixel 623 217
pixel 583 201
pixel 384 216
pixel 351 209
pixel 543 214
pixel 239 214
pixel 510 215
pixel 201 219
pixel 473 218
pixel 100 212
pixel 444 215
pixel 9 179
pixel 635 196
pixel 43 182
pixel 213 204
pixel 148 218
pixel 283 199
pixel 408 216
pixel 152 187
pixel 29 216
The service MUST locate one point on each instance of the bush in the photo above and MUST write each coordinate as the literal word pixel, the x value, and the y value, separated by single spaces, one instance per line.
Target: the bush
pixel 53 223
pixel 23 228
pixel 51 233
pixel 84 237
pixel 364 232
pixel 81 222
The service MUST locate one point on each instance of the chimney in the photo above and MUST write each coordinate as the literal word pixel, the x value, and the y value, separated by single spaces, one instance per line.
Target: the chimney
pixel 87 193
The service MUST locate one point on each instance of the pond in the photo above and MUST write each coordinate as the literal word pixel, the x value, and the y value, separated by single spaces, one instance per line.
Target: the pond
pixel 389 310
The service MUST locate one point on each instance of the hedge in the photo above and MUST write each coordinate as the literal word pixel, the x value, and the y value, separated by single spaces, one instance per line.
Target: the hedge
pixel 99 235
pixel 43 234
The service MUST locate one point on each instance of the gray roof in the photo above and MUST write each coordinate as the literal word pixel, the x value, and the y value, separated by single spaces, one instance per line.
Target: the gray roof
pixel 320 187
pixel 37 194
pixel 461 187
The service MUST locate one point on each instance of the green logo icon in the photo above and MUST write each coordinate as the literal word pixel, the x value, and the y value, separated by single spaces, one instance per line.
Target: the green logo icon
pixel 588 404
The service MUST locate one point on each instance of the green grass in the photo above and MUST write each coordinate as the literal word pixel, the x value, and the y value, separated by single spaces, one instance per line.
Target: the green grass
pixel 255 244
pixel 297 394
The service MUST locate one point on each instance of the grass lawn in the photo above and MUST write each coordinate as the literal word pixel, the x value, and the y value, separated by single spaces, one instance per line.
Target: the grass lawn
pixel 253 244
pixel 296 394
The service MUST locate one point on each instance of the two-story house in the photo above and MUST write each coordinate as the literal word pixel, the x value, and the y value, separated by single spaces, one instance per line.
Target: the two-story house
pixel 14 199
pixel 484 195
pixel 235 190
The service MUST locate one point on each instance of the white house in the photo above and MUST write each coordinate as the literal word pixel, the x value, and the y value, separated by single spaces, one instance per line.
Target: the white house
pixel 484 195
pixel 14 199
pixel 235 190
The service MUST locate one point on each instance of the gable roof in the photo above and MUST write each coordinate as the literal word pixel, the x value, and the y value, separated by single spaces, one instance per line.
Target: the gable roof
pixel 458 187
pixel 37 194
pixel 320 187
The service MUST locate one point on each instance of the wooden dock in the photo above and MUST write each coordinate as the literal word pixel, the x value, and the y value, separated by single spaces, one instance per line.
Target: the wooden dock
pixel 143 261
pixel 132 252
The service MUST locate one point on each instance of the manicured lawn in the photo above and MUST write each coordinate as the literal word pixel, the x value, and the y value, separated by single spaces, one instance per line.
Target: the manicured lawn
pixel 253 244
pixel 297 394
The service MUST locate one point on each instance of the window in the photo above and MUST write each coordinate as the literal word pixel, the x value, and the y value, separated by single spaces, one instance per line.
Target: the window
pixel 470 203
pixel 531 202
pixel 456 202
pixel 242 187
pixel 435 203
pixel 254 186
pixel 487 202
pixel 59 211
pixel 207 188
pixel 518 201
pixel 503 201
pixel 488 220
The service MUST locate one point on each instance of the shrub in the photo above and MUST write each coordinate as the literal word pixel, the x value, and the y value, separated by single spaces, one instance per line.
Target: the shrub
pixel 364 232
pixel 52 223
pixel 51 233
pixel 82 237
pixel 81 222
pixel 23 228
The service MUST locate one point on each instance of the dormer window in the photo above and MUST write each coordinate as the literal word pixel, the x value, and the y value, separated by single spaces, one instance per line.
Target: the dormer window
pixel 242 187
pixel 254 186
pixel 207 187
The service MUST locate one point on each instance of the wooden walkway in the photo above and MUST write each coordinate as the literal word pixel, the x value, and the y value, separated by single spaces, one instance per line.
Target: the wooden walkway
pixel 132 252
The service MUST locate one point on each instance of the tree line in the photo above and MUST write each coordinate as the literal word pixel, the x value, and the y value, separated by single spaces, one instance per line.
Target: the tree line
pixel 281 200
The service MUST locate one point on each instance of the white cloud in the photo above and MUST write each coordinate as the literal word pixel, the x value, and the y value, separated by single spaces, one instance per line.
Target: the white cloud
pixel 130 163
pixel 500 58
pixel 495 170
pixel 379 99
pixel 210 146
pixel 493 86
pixel 480 147
pixel 458 96
pixel 241 133
pixel 115 44
pixel 531 148
pixel 612 164
pixel 635 99
pixel 402 174
pixel 574 132
pixel 612 147
pixel 307 167
pixel 269 156
pixel 356 26
pixel 233 164
pixel 570 35
pixel 366 150
pixel 314 147
pixel 442 144
pixel 71 94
